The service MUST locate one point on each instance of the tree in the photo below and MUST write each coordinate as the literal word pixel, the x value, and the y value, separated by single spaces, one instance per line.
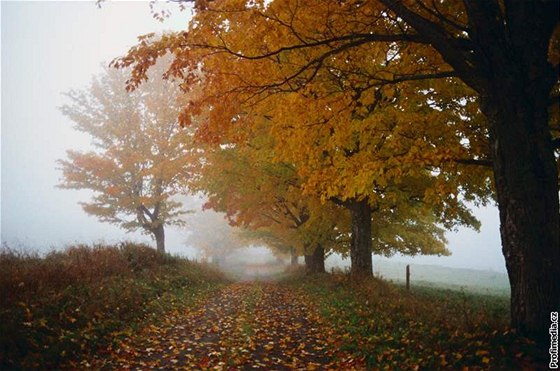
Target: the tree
pixel 212 236
pixel 499 49
pixel 140 157
pixel 377 154
pixel 264 198
pixel 245 180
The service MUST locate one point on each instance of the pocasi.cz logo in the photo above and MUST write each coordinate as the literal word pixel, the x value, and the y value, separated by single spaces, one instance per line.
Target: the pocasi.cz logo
pixel 553 331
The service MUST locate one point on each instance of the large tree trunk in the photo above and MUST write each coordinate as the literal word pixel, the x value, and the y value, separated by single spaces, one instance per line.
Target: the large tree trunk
pixel 515 101
pixel 315 262
pixel 360 250
pixel 527 188
pixel 507 64
pixel 159 235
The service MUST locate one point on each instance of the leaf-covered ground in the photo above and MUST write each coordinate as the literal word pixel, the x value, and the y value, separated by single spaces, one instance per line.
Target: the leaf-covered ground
pixel 245 326
pixel 390 328
pixel 69 305
pixel 328 322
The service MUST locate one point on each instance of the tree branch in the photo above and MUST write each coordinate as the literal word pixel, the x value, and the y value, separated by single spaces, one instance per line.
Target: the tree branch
pixel 422 76
pixel 451 48
pixel 352 39
pixel 145 210
pixel 436 13
pixel 470 161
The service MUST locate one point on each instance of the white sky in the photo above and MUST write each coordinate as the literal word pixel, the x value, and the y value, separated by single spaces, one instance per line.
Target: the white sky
pixel 51 47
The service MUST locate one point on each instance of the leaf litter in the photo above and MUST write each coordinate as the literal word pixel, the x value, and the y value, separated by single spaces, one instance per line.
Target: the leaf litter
pixel 246 325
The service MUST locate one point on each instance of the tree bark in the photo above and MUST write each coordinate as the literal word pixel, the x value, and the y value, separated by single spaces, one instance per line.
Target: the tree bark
pixel 159 235
pixel 515 100
pixel 360 250
pixel 507 64
pixel 526 179
pixel 315 262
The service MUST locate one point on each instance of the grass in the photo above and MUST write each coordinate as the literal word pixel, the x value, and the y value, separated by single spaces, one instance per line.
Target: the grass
pixel 69 305
pixel 425 328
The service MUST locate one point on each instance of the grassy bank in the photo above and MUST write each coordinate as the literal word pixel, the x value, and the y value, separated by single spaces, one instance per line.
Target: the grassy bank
pixel 426 328
pixel 69 305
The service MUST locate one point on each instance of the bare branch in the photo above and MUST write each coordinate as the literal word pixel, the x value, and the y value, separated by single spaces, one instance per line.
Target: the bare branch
pixel 352 39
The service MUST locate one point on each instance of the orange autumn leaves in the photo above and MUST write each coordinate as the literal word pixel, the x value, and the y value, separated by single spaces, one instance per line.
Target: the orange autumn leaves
pixel 257 325
pixel 140 157
pixel 328 323
pixel 350 130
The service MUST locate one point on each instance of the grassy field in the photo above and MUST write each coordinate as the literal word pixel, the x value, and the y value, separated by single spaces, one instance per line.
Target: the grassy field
pixel 459 279
pixel 65 306
pixel 425 328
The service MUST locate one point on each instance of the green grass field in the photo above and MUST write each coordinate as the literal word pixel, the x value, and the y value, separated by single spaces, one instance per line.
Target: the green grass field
pixel 458 279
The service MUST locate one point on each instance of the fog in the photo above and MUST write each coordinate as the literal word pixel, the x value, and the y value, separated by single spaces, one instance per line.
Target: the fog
pixel 51 47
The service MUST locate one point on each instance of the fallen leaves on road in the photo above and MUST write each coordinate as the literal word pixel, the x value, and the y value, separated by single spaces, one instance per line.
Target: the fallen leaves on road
pixel 244 326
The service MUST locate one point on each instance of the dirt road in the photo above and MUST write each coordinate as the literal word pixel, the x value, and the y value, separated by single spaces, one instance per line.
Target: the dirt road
pixel 249 325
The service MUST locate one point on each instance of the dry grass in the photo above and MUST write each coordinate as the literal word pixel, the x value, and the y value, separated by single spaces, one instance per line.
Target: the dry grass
pixel 74 302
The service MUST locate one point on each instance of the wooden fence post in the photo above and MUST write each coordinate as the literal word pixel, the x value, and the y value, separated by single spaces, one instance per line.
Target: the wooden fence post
pixel 407 277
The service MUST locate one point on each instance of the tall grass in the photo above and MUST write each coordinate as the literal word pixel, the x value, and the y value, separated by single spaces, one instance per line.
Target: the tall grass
pixel 68 304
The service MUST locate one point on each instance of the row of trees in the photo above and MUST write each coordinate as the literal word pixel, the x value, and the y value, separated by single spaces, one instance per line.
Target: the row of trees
pixel 141 159
pixel 388 114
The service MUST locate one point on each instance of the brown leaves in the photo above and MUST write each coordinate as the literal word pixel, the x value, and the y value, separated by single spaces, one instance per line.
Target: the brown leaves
pixel 254 325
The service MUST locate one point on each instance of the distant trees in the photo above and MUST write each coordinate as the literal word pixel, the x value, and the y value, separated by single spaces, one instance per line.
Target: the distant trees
pixel 264 199
pixel 243 179
pixel 212 236
pixel 140 157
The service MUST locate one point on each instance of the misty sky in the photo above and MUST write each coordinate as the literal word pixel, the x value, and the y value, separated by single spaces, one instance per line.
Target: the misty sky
pixel 51 47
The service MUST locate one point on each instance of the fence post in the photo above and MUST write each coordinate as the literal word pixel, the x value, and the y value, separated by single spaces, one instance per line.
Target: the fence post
pixel 407 277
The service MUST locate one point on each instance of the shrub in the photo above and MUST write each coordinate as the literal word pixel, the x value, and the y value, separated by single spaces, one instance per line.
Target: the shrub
pixel 56 308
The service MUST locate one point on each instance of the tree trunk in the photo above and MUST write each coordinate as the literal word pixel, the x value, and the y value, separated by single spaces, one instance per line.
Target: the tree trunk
pixel 526 180
pixel 315 262
pixel 510 70
pixel 360 250
pixel 318 259
pixel 308 260
pixel 159 235
pixel 293 257
pixel 515 101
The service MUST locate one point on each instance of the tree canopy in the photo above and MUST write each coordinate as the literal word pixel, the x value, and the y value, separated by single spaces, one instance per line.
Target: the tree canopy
pixel 140 154
pixel 355 55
